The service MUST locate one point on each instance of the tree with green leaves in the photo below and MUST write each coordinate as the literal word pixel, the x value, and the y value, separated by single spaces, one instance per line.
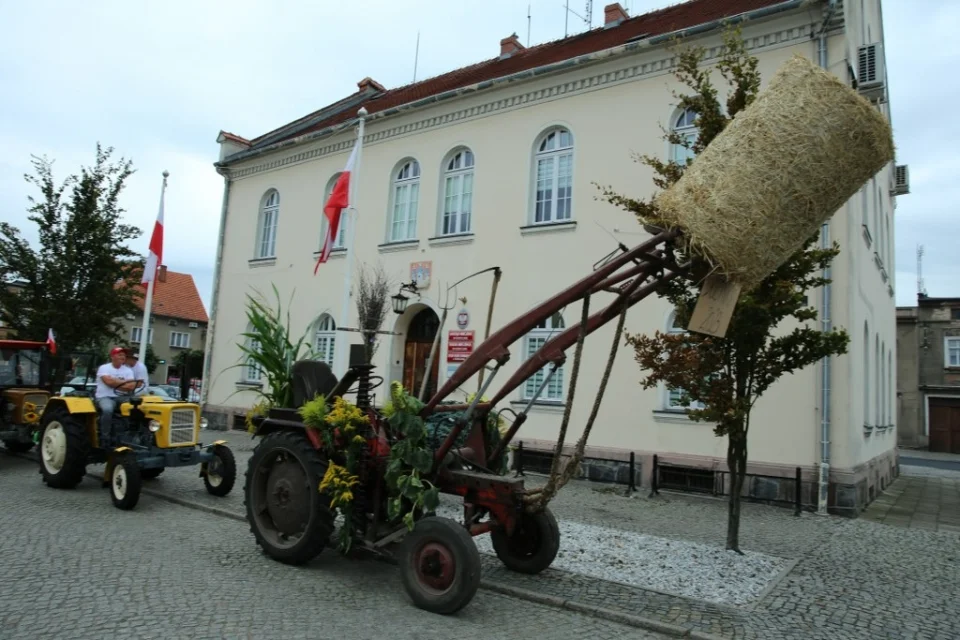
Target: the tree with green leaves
pixel 772 332
pixel 80 262
pixel 190 361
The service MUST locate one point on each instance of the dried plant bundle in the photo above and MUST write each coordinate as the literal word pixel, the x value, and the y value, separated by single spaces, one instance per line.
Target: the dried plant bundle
pixel 782 167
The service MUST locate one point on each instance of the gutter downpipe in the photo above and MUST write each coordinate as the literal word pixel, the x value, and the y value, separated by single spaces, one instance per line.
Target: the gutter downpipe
pixel 825 319
pixel 528 74
pixel 218 265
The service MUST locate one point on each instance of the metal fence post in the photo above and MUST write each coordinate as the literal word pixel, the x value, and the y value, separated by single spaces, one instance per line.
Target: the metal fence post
pixel 519 459
pixel 653 478
pixel 633 484
pixel 798 492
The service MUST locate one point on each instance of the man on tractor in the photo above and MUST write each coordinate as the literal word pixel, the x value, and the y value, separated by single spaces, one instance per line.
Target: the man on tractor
pixel 139 370
pixel 112 376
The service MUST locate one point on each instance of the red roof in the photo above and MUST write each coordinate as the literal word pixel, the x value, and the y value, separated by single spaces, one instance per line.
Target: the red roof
pixel 176 297
pixel 674 18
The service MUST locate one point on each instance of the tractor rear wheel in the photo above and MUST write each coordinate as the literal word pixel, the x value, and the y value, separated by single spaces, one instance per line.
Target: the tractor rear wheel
pixel 289 517
pixel 125 482
pixel 533 545
pixel 221 471
pixel 440 565
pixel 63 449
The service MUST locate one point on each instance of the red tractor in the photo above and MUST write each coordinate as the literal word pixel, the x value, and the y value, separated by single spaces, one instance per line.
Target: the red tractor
pixel 439 563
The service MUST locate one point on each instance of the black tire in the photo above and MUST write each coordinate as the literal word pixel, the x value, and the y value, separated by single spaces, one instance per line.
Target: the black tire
pixel 15 446
pixel 285 461
pixel 440 565
pixel 150 474
pixel 533 545
pixel 225 473
pixel 63 469
pixel 125 482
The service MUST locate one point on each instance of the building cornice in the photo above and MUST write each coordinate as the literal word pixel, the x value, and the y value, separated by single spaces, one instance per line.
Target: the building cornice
pixel 663 65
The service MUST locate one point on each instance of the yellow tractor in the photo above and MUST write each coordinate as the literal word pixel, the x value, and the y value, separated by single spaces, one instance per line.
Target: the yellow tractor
pixel 25 387
pixel 148 434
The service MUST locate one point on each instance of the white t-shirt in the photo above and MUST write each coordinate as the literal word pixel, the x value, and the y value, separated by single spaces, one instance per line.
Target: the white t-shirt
pixel 104 391
pixel 140 373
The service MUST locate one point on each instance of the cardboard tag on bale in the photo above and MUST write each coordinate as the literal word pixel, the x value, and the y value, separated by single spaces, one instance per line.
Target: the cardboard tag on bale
pixel 718 298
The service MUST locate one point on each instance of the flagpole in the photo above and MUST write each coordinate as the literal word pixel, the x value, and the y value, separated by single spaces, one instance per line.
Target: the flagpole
pixel 148 303
pixel 341 350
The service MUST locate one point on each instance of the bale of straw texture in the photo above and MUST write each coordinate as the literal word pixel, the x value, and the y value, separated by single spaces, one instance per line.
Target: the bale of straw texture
pixel 782 167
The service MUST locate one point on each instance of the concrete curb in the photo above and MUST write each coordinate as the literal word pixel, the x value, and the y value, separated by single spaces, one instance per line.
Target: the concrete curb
pixel 528 595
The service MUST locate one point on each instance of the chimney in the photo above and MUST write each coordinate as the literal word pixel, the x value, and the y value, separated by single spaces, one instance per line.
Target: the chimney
pixel 368 84
pixel 510 46
pixel 162 274
pixel 613 14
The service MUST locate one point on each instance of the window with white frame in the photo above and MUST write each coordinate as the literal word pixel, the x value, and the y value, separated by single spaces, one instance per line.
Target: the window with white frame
pixel 891 398
pixel 341 240
pixel 951 352
pixel 876 221
pixel 889 260
pixel 136 335
pixel 537 337
pixel 674 397
pixel 882 420
pixel 878 400
pixel 554 177
pixel 179 340
pixel 684 126
pixel 326 339
pixel 251 371
pixel 458 194
pixel 406 196
pixel 866 374
pixel 267 230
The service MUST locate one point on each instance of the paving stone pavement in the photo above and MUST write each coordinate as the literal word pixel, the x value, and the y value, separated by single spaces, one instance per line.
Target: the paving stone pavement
pixel 75 567
pixel 919 502
pixel 853 579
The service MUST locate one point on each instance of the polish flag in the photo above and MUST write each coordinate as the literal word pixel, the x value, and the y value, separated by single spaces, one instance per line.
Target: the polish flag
pixel 338 201
pixel 155 253
pixel 51 342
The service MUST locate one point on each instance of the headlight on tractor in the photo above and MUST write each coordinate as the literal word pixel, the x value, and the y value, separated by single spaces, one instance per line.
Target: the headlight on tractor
pixel 203 423
pixel 154 426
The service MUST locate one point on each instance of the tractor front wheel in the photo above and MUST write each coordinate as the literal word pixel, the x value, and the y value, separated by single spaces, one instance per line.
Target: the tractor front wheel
pixel 533 545
pixel 63 449
pixel 440 565
pixel 221 472
pixel 125 482
pixel 288 516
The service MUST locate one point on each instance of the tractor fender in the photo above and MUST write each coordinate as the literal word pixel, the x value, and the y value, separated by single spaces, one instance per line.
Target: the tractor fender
pixel 73 405
pixel 272 425
pixel 111 462
pixel 215 443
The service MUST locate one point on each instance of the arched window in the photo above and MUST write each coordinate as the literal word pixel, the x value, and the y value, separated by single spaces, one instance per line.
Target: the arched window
pixel 251 372
pixel 458 194
pixel 326 339
pixel 406 197
pixel 533 341
pixel 891 388
pixel 340 241
pixel 267 228
pixel 674 399
pixel 889 260
pixel 878 401
pixel 883 385
pixel 684 126
pixel 866 374
pixel 554 176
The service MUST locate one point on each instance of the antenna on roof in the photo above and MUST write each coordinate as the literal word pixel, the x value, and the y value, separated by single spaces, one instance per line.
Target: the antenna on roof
pixel 587 20
pixel 416 57
pixel 921 290
pixel 528 25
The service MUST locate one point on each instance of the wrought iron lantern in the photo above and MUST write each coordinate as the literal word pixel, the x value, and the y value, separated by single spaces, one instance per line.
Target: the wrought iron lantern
pixel 400 301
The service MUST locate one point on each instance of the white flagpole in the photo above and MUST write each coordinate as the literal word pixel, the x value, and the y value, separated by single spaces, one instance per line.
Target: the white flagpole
pixel 342 340
pixel 148 303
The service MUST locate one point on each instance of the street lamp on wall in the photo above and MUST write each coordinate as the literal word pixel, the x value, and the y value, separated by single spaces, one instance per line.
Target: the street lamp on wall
pixel 399 300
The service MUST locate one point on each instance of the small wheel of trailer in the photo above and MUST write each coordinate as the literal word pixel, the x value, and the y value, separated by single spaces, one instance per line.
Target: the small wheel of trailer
pixel 440 565
pixel 288 516
pixel 125 482
pixel 221 472
pixel 533 545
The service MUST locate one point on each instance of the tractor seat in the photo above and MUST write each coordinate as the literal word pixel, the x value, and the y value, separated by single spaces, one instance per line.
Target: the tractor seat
pixel 310 379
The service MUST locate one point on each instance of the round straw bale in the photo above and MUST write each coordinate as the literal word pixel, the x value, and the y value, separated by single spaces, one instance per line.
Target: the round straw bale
pixel 782 167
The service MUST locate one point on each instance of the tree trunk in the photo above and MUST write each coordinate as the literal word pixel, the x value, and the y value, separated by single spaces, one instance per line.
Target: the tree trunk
pixel 737 464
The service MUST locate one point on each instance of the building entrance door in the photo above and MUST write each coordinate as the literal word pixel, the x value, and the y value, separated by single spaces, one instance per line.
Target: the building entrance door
pixel 420 336
pixel 945 425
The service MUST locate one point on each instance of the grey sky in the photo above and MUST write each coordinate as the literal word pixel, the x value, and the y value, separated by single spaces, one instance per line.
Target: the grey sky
pixel 158 79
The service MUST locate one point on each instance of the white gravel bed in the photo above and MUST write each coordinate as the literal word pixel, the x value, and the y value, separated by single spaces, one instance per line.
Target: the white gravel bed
pixel 660 564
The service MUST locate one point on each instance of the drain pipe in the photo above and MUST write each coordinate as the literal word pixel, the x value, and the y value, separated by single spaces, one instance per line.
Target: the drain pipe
pixel 825 318
pixel 218 265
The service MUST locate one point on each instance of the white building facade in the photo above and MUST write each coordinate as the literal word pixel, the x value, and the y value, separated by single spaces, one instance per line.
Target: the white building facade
pixel 462 175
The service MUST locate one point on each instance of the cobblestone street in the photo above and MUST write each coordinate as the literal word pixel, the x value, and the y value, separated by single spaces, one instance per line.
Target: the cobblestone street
pixel 77 568
pixel 850 578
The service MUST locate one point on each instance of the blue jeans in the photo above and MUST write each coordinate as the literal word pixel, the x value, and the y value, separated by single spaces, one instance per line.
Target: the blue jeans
pixel 107 405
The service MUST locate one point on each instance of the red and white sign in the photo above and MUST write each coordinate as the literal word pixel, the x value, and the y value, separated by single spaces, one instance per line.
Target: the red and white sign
pixel 459 345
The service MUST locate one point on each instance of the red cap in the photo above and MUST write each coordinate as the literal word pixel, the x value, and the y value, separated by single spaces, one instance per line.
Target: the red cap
pixel 117 350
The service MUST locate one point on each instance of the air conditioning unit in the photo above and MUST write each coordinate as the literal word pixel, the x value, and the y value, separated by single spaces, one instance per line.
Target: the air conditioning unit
pixel 901 180
pixel 194 325
pixel 870 72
